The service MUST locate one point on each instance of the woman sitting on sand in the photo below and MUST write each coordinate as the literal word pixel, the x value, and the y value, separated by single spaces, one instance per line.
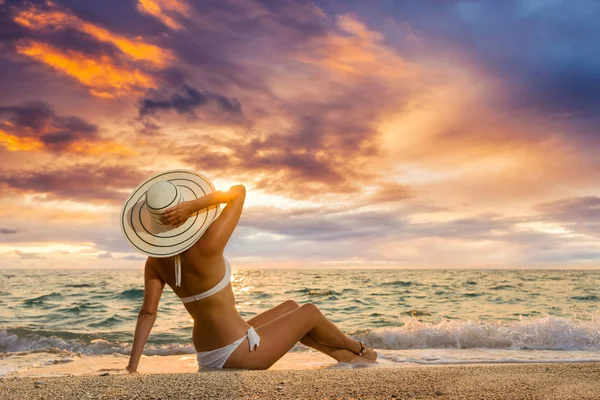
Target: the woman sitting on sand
pixel 169 219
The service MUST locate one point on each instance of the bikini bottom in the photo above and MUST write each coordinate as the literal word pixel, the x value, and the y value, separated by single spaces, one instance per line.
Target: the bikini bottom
pixel 218 357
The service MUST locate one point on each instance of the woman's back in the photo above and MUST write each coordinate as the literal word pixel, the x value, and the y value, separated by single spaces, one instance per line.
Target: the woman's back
pixel 216 319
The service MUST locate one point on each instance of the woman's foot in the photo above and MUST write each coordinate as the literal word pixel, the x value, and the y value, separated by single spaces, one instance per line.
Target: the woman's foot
pixel 343 355
pixel 366 352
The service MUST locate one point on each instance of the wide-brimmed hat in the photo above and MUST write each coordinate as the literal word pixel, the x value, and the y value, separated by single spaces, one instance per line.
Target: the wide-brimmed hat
pixel 140 217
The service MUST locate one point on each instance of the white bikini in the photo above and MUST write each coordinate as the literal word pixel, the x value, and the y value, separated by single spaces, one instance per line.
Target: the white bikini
pixel 216 358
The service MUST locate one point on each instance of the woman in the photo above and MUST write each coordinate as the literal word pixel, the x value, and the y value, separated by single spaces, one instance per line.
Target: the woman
pixel 222 338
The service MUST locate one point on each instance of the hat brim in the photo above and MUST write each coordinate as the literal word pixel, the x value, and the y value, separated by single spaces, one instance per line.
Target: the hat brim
pixel 158 240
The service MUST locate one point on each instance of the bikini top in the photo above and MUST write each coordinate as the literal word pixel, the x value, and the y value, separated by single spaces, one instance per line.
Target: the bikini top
pixel 219 286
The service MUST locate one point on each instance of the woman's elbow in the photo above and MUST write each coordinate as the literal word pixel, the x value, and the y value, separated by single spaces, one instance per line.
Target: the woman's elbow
pixel 235 192
pixel 239 189
pixel 147 313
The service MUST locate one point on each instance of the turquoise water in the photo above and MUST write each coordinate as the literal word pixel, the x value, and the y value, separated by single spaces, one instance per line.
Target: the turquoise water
pixel 551 312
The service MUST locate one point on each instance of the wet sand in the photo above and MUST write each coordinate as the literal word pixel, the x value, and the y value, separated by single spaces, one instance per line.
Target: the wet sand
pixel 506 381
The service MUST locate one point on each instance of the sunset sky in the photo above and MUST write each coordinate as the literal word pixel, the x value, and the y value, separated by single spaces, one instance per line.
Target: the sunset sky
pixel 408 134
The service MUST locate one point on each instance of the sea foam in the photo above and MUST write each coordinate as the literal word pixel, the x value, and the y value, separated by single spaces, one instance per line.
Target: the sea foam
pixel 546 333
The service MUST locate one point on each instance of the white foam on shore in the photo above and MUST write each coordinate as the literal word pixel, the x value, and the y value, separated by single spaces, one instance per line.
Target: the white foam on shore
pixel 545 339
pixel 545 333
pixel 483 356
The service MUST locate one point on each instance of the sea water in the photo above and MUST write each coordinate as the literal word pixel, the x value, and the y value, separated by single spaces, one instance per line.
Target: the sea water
pixel 75 321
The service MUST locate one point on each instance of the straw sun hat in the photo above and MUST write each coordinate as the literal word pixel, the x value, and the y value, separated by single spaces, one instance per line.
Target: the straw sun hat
pixel 140 217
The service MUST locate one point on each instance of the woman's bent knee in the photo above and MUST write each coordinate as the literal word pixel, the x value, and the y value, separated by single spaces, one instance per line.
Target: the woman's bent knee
pixel 290 304
pixel 311 308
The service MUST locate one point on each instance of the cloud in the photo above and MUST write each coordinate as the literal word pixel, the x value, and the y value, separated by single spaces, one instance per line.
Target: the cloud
pixel 55 18
pixel 187 103
pixel 413 141
pixel 313 99
pixel 29 255
pixel 578 214
pixel 166 11
pixel 302 139
pixel 319 225
pixel 544 52
pixel 108 64
pixel 37 118
pixel 11 231
pixel 391 192
pixel 101 76
pixel 36 126
pixel 78 182
pixel 133 258
pixel 105 255
pixel 365 223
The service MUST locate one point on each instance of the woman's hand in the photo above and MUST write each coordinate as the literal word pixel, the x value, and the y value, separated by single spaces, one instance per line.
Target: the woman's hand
pixel 177 215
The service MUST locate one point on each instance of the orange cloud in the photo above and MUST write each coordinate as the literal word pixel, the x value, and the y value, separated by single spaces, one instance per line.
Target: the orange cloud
pixel 136 49
pixel 100 75
pixel 157 9
pixel 97 148
pixel 15 143
pixel 358 51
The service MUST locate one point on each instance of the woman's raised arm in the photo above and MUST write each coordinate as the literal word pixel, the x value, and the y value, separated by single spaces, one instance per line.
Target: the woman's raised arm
pixel 218 233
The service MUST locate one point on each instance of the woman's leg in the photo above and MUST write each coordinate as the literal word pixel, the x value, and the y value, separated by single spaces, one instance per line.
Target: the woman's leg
pixel 340 355
pixel 281 334
pixel 272 313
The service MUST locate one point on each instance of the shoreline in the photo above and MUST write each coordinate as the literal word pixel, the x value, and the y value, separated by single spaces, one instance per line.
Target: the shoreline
pixel 481 381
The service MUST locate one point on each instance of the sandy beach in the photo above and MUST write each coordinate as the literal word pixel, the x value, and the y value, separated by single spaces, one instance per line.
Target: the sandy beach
pixel 507 381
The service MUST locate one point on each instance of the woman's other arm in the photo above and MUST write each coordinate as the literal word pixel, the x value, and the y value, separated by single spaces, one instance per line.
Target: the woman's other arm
pixel 153 288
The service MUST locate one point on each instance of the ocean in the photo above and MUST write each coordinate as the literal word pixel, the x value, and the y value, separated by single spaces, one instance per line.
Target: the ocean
pixel 57 322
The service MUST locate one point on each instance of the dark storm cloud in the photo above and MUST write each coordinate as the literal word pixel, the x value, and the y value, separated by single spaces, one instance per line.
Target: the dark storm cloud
pixel 187 103
pixel 38 120
pixel 80 182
